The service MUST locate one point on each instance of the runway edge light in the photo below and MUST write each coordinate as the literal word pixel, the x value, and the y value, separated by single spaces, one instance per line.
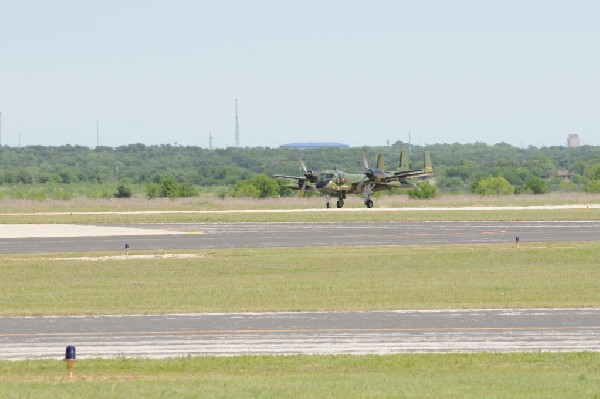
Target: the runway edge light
pixel 70 358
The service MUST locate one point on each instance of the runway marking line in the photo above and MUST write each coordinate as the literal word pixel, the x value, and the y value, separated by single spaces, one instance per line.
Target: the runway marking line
pixel 309 330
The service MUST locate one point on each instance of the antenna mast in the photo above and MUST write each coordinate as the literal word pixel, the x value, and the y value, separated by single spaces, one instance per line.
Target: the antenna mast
pixel 237 125
pixel 97 134
pixel 210 142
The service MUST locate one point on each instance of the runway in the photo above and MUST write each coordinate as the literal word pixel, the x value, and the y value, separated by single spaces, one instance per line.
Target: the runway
pixel 289 333
pixel 385 332
pixel 196 236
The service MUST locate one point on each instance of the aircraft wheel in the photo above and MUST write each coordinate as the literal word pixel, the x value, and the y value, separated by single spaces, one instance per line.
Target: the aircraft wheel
pixel 369 203
pixel 340 204
pixel 328 205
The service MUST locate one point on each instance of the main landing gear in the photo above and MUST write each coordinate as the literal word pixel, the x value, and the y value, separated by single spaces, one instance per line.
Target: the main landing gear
pixel 339 203
pixel 368 193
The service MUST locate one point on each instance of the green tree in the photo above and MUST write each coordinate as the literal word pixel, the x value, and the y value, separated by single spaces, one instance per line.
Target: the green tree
pixel 536 185
pixel 284 190
pixel 593 172
pixel 494 186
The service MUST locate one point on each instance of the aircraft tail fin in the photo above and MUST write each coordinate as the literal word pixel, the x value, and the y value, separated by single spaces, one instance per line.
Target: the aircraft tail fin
pixel 428 164
pixel 403 166
pixel 380 162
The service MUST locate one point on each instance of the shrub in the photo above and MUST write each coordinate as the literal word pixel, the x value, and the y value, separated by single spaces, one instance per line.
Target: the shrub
pixel 247 189
pixel 168 188
pixel 592 187
pixel 122 192
pixel 36 195
pixel 259 186
pixel 537 185
pixel 494 186
pixel 152 190
pixel 424 190
pixel 185 190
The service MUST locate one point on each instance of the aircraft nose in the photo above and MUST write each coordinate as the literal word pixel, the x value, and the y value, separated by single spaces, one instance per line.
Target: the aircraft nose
pixel 322 183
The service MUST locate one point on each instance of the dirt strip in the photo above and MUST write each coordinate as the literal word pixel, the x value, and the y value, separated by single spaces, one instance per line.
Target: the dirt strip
pixel 73 230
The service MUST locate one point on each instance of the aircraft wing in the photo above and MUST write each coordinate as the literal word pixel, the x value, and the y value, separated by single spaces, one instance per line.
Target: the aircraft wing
pixel 291 177
pixel 303 184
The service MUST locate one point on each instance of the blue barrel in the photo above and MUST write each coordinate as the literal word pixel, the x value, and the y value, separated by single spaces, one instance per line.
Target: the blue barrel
pixel 70 353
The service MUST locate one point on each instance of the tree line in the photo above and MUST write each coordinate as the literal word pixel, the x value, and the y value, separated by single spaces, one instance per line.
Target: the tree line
pixel 170 170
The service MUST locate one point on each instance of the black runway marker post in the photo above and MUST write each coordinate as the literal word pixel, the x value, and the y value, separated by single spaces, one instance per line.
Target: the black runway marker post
pixel 70 359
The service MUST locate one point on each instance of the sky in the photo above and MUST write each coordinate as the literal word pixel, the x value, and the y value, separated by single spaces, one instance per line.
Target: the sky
pixel 363 73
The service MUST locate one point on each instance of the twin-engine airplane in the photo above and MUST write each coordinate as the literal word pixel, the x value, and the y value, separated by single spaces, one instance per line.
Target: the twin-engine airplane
pixel 337 183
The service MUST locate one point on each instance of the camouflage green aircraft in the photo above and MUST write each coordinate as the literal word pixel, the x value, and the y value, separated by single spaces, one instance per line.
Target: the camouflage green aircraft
pixel 337 183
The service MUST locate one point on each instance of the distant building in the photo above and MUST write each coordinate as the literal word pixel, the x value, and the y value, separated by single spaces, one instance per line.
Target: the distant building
pixel 564 173
pixel 313 145
pixel 573 140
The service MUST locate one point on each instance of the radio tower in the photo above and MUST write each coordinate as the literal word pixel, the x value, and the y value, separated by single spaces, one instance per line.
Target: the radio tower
pixel 237 125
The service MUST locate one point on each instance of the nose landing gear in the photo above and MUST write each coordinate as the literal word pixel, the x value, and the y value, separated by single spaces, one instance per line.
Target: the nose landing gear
pixel 339 203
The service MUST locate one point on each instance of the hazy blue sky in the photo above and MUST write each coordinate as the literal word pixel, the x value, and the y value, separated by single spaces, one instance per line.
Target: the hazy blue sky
pixel 358 72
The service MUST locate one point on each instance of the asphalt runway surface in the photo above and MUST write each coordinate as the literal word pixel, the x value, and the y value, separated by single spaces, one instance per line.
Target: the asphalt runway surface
pixel 385 332
pixel 196 236
pixel 311 333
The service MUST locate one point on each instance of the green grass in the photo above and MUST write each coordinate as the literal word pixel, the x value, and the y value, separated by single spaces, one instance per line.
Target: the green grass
pixel 306 279
pixel 539 375
pixel 331 216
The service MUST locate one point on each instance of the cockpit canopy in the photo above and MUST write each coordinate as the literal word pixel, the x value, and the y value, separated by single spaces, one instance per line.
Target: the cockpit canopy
pixel 336 176
pixel 326 176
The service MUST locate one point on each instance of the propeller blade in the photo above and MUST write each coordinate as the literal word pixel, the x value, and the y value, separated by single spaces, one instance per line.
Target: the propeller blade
pixel 303 166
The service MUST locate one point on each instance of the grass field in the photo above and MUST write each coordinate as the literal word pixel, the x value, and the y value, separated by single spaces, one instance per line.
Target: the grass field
pixel 186 210
pixel 208 202
pixel 534 375
pixel 304 279
pixel 332 215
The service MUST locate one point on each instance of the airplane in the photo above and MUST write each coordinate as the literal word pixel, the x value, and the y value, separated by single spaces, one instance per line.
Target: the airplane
pixel 338 184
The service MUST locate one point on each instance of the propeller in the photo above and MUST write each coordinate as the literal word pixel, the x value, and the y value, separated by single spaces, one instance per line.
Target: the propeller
pixel 311 176
pixel 371 173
